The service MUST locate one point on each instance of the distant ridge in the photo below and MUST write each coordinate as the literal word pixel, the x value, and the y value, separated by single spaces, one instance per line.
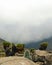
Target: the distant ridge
pixel 36 45
pixel 1 40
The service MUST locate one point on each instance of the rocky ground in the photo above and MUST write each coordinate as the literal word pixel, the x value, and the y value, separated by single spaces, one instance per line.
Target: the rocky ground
pixel 16 61
pixel 38 58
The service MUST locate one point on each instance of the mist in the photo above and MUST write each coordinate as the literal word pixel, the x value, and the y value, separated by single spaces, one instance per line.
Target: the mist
pixel 25 20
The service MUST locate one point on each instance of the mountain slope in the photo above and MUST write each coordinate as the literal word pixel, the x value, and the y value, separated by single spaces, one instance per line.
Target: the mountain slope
pixel 37 44
pixel 1 44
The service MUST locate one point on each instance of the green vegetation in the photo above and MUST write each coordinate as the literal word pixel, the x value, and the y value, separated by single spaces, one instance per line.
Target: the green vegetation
pixel 20 48
pixel 27 54
pixel 10 48
pixel 14 49
pixel 6 44
pixel 43 46
pixel 32 50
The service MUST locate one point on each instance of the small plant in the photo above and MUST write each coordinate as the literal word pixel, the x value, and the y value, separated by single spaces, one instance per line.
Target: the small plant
pixel 27 54
pixel 32 50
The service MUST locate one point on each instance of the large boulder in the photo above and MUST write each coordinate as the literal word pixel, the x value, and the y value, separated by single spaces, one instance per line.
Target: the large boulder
pixel 16 61
pixel 41 52
pixel 42 57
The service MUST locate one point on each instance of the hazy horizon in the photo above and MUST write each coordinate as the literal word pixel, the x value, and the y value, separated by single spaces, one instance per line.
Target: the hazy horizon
pixel 25 20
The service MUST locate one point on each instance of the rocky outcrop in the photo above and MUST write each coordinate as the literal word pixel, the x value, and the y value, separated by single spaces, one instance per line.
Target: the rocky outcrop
pixel 42 57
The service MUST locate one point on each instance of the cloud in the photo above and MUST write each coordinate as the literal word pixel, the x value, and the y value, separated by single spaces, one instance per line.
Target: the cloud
pixel 25 20
pixel 25 33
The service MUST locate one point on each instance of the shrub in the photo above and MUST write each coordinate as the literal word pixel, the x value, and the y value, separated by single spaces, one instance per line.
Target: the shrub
pixel 6 44
pixel 27 54
pixel 32 50
pixel 14 48
pixel 20 47
pixel 43 46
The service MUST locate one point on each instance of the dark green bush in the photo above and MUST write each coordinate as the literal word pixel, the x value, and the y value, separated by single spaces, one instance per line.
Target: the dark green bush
pixel 14 48
pixel 43 46
pixel 6 44
pixel 20 47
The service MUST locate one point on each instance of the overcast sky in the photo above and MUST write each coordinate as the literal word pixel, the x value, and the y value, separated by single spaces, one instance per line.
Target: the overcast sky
pixel 25 20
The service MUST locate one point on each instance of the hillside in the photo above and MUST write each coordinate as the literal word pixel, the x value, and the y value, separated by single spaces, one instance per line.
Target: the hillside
pixel 1 44
pixel 37 44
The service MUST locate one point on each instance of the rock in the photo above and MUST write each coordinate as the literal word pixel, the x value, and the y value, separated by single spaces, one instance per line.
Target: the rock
pixel 41 52
pixel 49 59
pixel 16 61
pixel 37 58
pixel 44 56
pixel 40 63
pixel 17 54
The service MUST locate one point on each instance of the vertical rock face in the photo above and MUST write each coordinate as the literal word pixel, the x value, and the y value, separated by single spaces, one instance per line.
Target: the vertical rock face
pixel 16 61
